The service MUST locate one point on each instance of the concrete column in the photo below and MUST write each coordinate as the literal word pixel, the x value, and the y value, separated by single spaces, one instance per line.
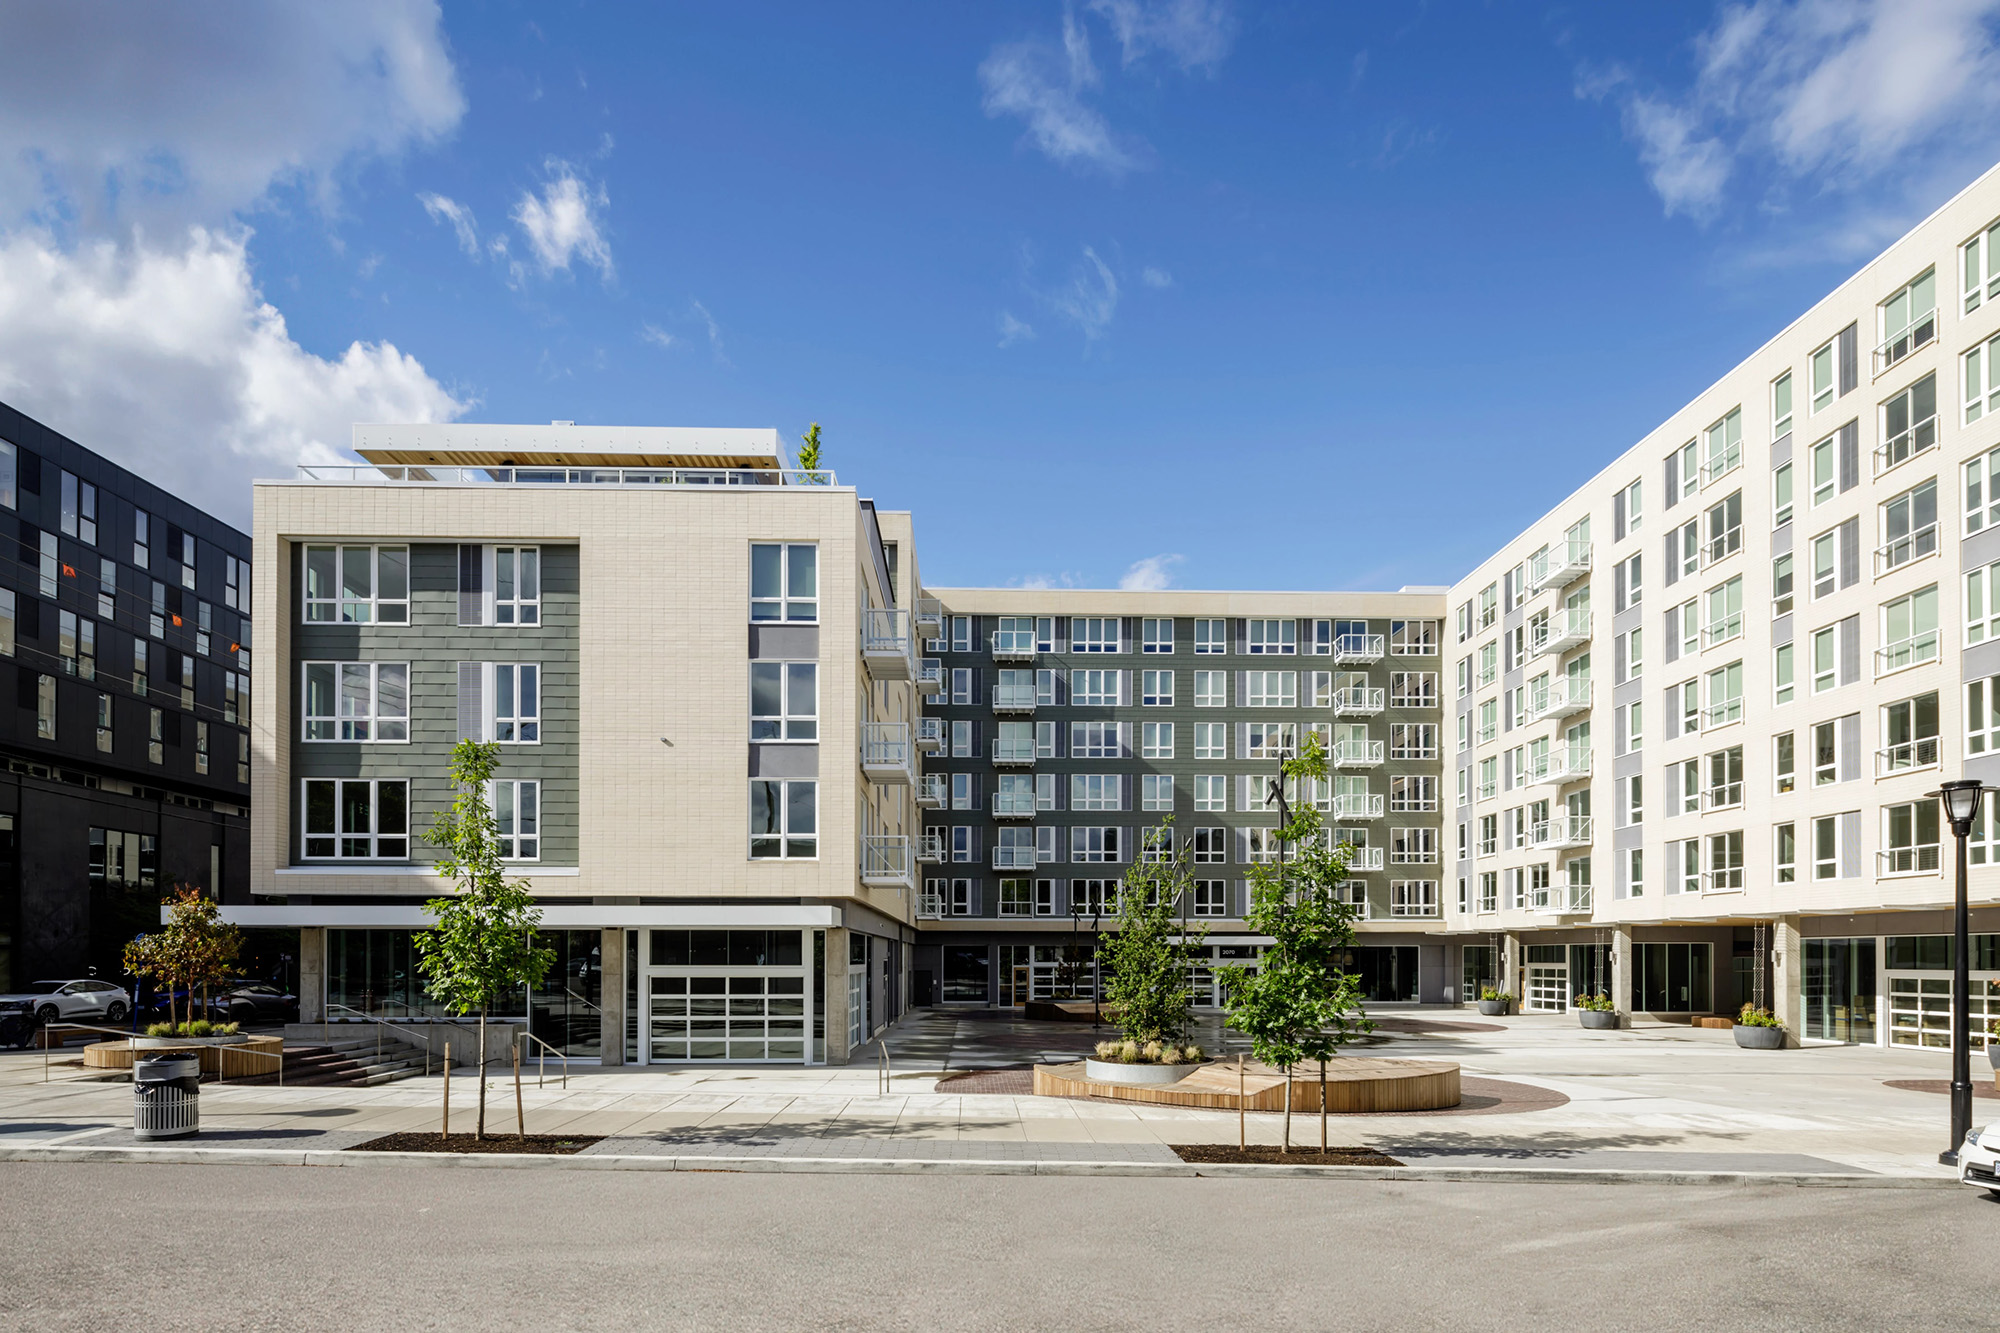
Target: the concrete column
pixel 836 996
pixel 1621 973
pixel 1788 970
pixel 1511 971
pixel 611 995
pixel 312 974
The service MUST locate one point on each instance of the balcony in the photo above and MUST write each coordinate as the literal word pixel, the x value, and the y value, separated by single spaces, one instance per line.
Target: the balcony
pixel 1722 631
pixel 930 735
pixel 1719 548
pixel 1357 754
pixel 1367 805
pixel 1359 648
pixel 1561 632
pixel 1721 465
pixel 1358 701
pixel 933 905
pixel 1565 697
pixel 931 847
pixel 1723 714
pixel 1563 831
pixel 1560 766
pixel 885 753
pixel 1013 645
pixel 1363 858
pixel 930 676
pixel 887 859
pixel 1013 805
pixel 1566 562
pixel 1414 898
pixel 1907 757
pixel 1907 444
pixel 1014 754
pixel 930 617
pixel 1728 880
pixel 1011 700
pixel 933 791
pixel 1906 653
pixel 1902 550
pixel 1917 860
pixel 886 645
pixel 1561 898
pixel 1014 858
pixel 1921 330
pixel 1722 796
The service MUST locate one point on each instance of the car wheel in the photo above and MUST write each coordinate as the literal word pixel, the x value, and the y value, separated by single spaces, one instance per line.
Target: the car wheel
pixel 48 1014
pixel 116 1014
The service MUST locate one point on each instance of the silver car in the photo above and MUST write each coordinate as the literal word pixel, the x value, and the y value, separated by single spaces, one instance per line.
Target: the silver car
pixel 84 1001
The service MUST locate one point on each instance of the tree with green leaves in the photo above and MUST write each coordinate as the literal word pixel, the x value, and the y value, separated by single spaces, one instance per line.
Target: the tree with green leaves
pixel 1153 951
pixel 809 457
pixel 1297 1005
pixel 482 949
pixel 195 948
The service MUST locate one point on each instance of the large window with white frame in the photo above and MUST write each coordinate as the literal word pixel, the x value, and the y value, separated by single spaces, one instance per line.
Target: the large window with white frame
pixel 1156 634
pixel 1266 637
pixel 1093 845
pixel 1156 791
pixel 1211 897
pixel 517 703
pixel 1909 424
pixel 1211 637
pixel 1095 791
pixel 1909 735
pixel 357 585
pixel 1209 846
pixel 356 819
pixel 357 701
pixel 1982 492
pixel 1211 740
pixel 1910 842
pixel 1093 634
pixel 1270 740
pixel 517 818
pixel 1820 368
pixel 1781 406
pixel 1909 631
pixel 1156 740
pixel 1982 717
pixel 1979 269
pixel 1413 689
pixel 1413 638
pixel 1909 527
pixel 1982 605
pixel 1211 689
pixel 1979 374
pixel 1413 740
pixel 1824 470
pixel 1094 688
pixel 784 583
pixel 1271 689
pixel 784 819
pixel 1156 689
pixel 517 585
pixel 1093 740
pixel 1907 320
pixel 1211 792
pixel 784 701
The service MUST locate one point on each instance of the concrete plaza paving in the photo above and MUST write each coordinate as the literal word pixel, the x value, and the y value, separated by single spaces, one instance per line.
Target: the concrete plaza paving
pixel 1655 1098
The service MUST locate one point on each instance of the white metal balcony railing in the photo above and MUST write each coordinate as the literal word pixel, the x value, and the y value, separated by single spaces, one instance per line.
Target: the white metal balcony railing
pixel 428 474
pixel 930 734
pixel 886 644
pixel 1726 880
pixel 1015 699
pixel 1564 697
pixel 885 751
pixel 934 791
pixel 1722 796
pixel 1722 631
pixel 1902 550
pixel 1905 653
pixel 1722 714
pixel 1014 858
pixel 1560 633
pixel 930 617
pixel 887 858
pixel 1907 444
pixel 1414 898
pixel 1563 564
pixel 932 905
pixel 1357 754
pixel 931 846
pixel 1721 465
pixel 1359 648
pixel 1367 805
pixel 1363 858
pixel 1014 753
pixel 1013 645
pixel 1358 702
pixel 1907 757
pixel 1720 547
pixel 1921 859
pixel 1013 805
pixel 1559 766
pixel 1919 333
pixel 1563 831
pixel 1487 734
pixel 930 676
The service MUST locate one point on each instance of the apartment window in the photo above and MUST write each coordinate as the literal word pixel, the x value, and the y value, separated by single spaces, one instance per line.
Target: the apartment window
pixel 961 740
pixel 1907 321
pixel 1835 750
pixel 1725 613
pixel 1156 689
pixel 1211 740
pixel 1093 634
pixel 356 819
pixel 156 751
pixel 1413 689
pixel 1464 680
pixel 1781 586
pixel 1211 897
pixel 1627 582
pixel 235 685
pixel 1822 370
pixel 235 582
pixel 1489 664
pixel 79 509
pixel 1982 492
pixel 1489 605
pixel 1784 763
pixel 1630 502
pixel 1489 891
pixel 1413 638
pixel 784 820
pixel 1825 664
pixel 1211 688
pixel 157 622
pixel 1982 716
pixel 517 703
pixel 1684 470
pixel 1635 799
pixel 1095 688
pixel 1413 740
pixel 1635 726
pixel 1785 852
pixel 1211 845
pixel 1782 672
pixel 243 757
pixel 1725 778
pixel 1412 793
pixel 1685 699
pixel 104 730
pixel 1909 423
pixel 1909 735
pixel 1157 634
pixel 357 585
pixel 1211 636
pixel 1489 779
pixel 517 819
pixel 1211 792
pixel 1683 790
pixel 1270 740
pixel 76 645
pixel 1093 740
pixel 1725 528
pixel 1095 791
pixel 44 697
pixel 961 790
pixel 1271 689
pixel 1634 654
pixel 357 701
pixel 1684 628
pixel 1725 447
pixel 1271 636
pixel 784 581
pixel 1093 845
pixel 1156 740
pixel 1635 873
pixel 1684 550
pixel 1909 528
pixel 1156 791
pixel 1413 846
pixel 1910 838
pixel 1825 473
pixel 961 634
pixel 1781 495
pixel 1909 631
pixel 961 685
pixel 1017 897
pixel 1980 373
pixel 1982 605
pixel 1725 861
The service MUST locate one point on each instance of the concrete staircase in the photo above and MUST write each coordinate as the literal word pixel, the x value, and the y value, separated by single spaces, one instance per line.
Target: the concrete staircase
pixel 353 1063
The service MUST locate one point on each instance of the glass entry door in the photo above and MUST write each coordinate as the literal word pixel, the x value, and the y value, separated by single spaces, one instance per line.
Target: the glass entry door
pixel 1840 990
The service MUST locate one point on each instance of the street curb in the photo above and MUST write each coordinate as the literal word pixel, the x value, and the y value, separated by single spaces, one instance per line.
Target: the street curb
pixel 179 1156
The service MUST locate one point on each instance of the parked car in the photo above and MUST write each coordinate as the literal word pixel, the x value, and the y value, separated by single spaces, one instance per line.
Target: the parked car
pixel 238 1000
pixel 1979 1159
pixel 82 1001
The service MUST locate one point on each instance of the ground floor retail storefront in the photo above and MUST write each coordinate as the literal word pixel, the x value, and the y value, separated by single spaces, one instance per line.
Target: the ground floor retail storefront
pixel 648 985
pixel 1885 978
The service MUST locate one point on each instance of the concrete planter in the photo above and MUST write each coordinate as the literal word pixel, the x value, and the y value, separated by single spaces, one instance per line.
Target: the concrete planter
pixel 1597 1018
pixel 1760 1039
pixel 1493 1008
pixel 181 1043
pixel 1111 1071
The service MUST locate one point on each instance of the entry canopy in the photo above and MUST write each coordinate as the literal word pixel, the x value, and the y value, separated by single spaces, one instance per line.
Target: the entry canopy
pixel 563 444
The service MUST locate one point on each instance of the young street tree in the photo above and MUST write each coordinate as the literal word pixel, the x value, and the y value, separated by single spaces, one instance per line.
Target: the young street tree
pixel 482 949
pixel 1152 953
pixel 194 949
pixel 1298 1005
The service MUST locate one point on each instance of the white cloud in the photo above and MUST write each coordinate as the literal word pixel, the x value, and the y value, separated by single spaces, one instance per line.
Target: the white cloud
pixel 1840 97
pixel 560 225
pixel 1150 574
pixel 1038 582
pixel 1013 330
pixel 654 334
pixel 714 333
pixel 1091 298
pixel 168 360
pixel 459 216
pixel 1044 87
pixel 1157 278
pixel 1194 34
pixel 168 115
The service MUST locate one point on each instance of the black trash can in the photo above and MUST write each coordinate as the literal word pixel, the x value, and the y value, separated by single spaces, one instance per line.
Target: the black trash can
pixel 166 1096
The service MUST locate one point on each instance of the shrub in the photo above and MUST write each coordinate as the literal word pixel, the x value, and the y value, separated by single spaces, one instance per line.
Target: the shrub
pixel 1193 1053
pixel 1151 1051
pixel 1107 1050
pixel 1596 1004
pixel 201 1027
pixel 1753 1017
pixel 228 1029
pixel 1170 1056
pixel 1489 993
pixel 1128 1051
pixel 159 1029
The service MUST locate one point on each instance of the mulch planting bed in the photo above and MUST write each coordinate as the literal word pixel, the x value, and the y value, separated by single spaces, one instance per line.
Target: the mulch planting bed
pixel 1979 1089
pixel 412 1141
pixel 1200 1153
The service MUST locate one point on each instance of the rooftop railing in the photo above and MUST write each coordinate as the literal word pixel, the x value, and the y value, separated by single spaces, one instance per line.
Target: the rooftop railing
pixel 384 474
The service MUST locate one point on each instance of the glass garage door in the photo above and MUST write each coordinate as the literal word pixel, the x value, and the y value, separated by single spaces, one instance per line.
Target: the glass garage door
pixel 725 996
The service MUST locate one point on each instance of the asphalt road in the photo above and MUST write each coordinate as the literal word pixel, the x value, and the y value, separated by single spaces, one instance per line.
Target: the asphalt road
pixel 248 1247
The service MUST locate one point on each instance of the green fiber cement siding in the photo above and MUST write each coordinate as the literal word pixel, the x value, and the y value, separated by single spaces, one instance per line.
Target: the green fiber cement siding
pixel 434 643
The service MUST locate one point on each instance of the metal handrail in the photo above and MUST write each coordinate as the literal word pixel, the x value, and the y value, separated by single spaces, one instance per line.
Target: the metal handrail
pixel 882 1068
pixel 542 1061
pixel 559 476
pixel 131 1038
pixel 385 1023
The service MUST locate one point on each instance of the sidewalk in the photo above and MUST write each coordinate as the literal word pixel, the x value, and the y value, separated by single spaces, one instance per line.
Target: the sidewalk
pixel 1663 1102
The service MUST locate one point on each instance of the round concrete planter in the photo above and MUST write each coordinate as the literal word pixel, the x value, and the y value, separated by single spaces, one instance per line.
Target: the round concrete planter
pixel 170 1043
pixel 1760 1039
pixel 1493 1008
pixel 1597 1018
pixel 1111 1071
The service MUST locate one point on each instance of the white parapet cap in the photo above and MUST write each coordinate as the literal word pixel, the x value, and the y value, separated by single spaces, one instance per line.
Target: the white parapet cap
pixel 562 444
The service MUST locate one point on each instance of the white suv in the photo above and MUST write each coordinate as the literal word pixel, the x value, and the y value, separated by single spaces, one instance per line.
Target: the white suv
pixel 85 1001
pixel 1979 1159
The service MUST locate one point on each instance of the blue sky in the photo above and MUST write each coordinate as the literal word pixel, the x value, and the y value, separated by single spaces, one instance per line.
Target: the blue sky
pixel 1199 293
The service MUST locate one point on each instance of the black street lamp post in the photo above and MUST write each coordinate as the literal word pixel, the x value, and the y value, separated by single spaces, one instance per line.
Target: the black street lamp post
pixel 1096 967
pixel 1961 806
pixel 1277 795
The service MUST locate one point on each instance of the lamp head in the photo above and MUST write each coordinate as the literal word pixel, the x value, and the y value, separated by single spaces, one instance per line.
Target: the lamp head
pixel 1961 802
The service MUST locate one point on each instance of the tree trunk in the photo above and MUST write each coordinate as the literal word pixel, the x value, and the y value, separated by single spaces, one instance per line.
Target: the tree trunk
pixel 1322 1106
pixel 480 1131
pixel 1287 1145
